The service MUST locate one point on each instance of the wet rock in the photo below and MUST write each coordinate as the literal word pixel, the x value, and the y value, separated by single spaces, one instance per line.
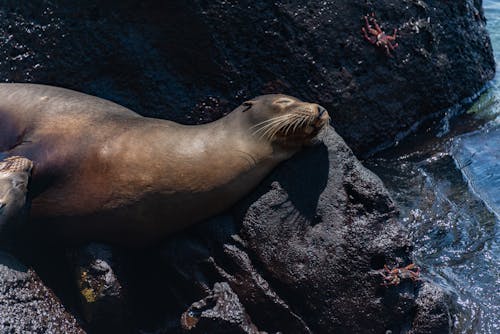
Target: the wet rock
pixel 26 305
pixel 192 61
pixel 220 312
pixel 100 290
pixel 432 316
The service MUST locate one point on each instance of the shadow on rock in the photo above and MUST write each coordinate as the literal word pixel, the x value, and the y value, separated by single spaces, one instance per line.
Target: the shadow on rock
pixel 303 180
pixel 303 253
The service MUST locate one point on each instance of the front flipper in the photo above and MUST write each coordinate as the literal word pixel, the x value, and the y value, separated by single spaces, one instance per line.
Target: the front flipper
pixel 14 176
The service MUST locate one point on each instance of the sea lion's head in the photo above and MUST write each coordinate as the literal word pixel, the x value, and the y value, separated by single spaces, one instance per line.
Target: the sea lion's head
pixel 285 120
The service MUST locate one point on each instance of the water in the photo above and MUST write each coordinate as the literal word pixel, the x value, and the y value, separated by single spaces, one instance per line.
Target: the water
pixel 447 183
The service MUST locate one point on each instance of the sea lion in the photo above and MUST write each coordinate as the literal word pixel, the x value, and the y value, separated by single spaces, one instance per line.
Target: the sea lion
pixel 102 172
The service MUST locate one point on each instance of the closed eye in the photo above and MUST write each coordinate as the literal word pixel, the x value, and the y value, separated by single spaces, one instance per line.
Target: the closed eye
pixel 283 101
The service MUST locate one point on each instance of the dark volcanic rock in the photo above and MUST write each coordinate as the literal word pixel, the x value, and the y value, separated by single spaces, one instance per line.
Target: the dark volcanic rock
pixel 321 229
pixel 100 291
pixel 26 305
pixel 220 312
pixel 432 315
pixel 303 253
pixel 193 60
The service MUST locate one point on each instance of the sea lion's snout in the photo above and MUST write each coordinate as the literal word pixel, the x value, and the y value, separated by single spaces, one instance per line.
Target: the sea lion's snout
pixel 322 117
pixel 321 111
pixel 286 120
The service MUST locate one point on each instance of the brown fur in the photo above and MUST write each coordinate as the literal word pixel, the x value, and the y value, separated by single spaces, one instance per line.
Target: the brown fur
pixel 103 172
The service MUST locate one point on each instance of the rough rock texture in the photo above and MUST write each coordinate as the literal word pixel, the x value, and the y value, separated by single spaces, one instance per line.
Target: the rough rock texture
pixel 304 252
pixel 193 60
pixel 432 316
pixel 100 291
pixel 26 305
pixel 219 312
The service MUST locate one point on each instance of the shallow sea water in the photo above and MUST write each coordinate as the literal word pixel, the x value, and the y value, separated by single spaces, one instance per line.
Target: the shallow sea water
pixel 447 184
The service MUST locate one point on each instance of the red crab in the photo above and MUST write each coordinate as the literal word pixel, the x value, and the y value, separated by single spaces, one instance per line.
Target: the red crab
pixel 395 275
pixel 376 36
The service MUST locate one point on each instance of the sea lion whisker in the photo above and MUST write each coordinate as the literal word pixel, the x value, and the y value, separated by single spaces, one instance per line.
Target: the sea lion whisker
pixel 290 125
pixel 305 114
pixel 279 128
pixel 267 127
pixel 264 128
pixel 303 121
pixel 270 124
pixel 277 123
pixel 269 120
pixel 276 120
pixel 297 124
pixel 272 131
pixel 293 119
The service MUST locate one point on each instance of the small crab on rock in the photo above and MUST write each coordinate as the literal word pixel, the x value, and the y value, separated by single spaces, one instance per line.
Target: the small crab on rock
pixel 395 275
pixel 376 36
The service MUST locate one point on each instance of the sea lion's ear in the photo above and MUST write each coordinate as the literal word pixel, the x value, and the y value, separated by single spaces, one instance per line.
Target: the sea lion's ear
pixel 247 105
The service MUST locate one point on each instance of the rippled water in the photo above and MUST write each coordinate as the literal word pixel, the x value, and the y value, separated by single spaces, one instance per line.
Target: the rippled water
pixel 447 183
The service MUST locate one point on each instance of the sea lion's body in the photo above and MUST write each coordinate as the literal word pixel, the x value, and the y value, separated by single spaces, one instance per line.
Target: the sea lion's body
pixel 103 172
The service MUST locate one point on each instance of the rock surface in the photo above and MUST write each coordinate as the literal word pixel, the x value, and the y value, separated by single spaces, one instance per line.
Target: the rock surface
pixel 220 312
pixel 304 252
pixel 432 315
pixel 100 291
pixel 26 305
pixel 192 61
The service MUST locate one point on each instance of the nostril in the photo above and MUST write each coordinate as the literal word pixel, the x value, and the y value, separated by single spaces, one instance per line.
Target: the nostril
pixel 321 111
